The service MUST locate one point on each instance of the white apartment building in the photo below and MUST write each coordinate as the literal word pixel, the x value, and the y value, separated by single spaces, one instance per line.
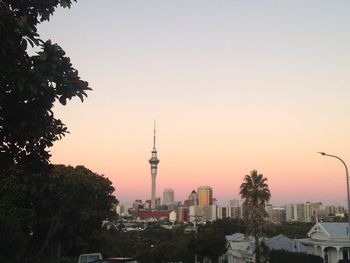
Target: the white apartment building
pixel 195 213
pixel 277 215
pixel 336 210
pixel 203 213
pixel 234 212
pixel 122 209
pixel 303 212
pixel 210 212
pixel 168 197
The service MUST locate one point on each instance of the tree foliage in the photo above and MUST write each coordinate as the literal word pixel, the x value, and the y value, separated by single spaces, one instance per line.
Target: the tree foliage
pixel 277 256
pixel 52 215
pixel 255 193
pixel 291 230
pixel 157 244
pixel 31 84
pixel 36 204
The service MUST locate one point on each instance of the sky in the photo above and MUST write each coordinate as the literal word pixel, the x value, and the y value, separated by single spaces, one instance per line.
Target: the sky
pixel 233 86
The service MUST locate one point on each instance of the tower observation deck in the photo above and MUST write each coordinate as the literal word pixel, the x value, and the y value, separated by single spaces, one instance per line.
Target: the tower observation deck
pixel 154 163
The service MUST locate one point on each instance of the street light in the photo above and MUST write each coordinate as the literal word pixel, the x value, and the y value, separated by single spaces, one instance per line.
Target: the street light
pixel 347 184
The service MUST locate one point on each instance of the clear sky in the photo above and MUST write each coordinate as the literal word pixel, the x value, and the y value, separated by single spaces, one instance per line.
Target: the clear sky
pixel 234 86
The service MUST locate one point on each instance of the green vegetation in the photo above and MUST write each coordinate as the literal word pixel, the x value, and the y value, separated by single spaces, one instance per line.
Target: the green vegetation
pixel 255 193
pixel 45 211
pixel 46 216
pixel 293 230
pixel 278 256
pixel 157 244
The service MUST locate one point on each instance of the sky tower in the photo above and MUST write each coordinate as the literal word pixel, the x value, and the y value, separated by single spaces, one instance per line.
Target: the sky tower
pixel 154 163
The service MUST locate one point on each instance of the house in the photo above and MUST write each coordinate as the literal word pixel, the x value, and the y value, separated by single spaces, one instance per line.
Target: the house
pixel 328 240
pixel 241 248
pixel 285 243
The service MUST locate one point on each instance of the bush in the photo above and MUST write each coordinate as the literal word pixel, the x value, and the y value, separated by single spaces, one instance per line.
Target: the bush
pixel 278 256
pixel 66 260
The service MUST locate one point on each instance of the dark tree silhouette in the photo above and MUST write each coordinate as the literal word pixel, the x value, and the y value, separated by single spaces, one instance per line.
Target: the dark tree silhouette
pixel 31 84
pixel 255 193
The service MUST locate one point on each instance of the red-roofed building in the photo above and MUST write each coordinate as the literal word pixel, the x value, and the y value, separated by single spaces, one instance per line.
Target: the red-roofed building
pixel 153 213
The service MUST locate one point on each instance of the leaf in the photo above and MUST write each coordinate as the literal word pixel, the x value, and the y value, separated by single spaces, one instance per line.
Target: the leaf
pixel 43 56
pixel 63 100
pixel 65 3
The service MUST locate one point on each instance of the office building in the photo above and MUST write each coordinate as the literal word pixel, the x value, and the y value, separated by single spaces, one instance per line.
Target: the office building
pixel 182 214
pixel 205 195
pixel 168 197
pixel 304 212
pixel 192 199
pixel 277 215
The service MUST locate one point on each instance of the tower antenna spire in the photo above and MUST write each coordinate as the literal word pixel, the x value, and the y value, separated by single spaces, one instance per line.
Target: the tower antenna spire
pixel 154 135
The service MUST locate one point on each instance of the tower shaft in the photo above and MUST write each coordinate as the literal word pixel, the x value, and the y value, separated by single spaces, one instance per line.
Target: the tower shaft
pixel 154 164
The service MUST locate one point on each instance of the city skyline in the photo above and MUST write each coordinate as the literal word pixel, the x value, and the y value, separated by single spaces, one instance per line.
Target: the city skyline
pixel 234 86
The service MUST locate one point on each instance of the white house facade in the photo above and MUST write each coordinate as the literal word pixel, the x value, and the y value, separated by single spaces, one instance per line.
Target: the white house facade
pixel 328 240
pixel 240 248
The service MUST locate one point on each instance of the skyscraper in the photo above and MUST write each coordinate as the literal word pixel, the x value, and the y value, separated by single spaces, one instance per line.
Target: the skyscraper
pixel 205 195
pixel 192 199
pixel 168 196
pixel 154 163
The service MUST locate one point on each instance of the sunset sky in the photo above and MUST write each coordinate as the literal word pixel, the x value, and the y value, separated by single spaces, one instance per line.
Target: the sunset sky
pixel 233 85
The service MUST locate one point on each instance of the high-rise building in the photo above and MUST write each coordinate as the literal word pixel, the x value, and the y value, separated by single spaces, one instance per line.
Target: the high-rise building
pixel 277 215
pixel 192 199
pixel 209 212
pixel 154 163
pixel 168 197
pixel 312 211
pixel 205 195
pixel 157 203
pixel 234 202
pixel 235 212
pixel 182 214
pixel 235 209
pixel 303 212
pixel 195 213
pixel 222 212
pixel 122 209
pixel 335 210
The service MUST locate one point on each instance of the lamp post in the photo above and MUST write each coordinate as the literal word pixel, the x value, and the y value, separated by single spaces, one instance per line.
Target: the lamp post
pixel 347 185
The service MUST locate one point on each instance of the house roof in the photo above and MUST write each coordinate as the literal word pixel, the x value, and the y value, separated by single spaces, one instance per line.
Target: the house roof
pixel 236 237
pixel 331 229
pixel 285 243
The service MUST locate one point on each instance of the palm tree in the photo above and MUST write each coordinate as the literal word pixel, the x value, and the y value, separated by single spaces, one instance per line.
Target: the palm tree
pixel 255 193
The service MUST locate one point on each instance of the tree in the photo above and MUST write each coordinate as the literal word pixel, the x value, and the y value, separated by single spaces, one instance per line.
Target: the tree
pixel 34 74
pixel 210 241
pixel 158 245
pixel 76 202
pixel 284 256
pixel 61 212
pixel 255 193
pixel 31 84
